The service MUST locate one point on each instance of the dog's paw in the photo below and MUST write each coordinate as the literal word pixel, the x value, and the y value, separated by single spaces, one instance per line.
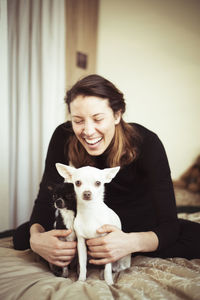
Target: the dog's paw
pixel 122 264
pixel 101 274
pixel 59 271
pixel 81 278
pixel 65 272
pixel 108 279
pixel 116 267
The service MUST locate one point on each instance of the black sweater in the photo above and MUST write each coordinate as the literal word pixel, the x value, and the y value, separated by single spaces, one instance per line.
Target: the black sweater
pixel 141 193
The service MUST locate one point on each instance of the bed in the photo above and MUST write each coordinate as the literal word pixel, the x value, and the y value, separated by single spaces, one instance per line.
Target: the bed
pixel 24 276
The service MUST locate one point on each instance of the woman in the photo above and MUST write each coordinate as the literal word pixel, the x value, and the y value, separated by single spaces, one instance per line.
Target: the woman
pixel 141 193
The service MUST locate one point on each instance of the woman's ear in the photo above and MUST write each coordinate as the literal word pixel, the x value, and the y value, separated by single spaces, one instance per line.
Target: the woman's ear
pixel 117 116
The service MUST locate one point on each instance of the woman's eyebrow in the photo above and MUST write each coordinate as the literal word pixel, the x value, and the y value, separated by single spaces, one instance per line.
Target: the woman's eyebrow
pixel 96 115
pixel 75 116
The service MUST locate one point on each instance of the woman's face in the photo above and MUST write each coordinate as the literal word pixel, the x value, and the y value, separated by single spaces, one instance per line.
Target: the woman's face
pixel 93 122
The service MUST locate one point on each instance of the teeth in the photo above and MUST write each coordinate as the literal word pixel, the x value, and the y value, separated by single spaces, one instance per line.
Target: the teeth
pixel 94 141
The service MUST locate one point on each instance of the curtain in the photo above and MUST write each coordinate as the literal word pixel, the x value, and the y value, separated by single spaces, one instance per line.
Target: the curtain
pixel 4 124
pixel 36 80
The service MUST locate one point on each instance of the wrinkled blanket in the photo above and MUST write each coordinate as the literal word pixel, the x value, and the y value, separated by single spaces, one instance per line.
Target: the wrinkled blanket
pixel 23 276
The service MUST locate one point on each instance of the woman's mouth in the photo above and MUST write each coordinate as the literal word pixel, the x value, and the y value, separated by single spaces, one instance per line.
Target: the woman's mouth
pixel 93 142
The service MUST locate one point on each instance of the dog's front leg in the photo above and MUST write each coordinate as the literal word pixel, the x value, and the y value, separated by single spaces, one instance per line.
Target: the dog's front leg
pixel 82 256
pixel 108 274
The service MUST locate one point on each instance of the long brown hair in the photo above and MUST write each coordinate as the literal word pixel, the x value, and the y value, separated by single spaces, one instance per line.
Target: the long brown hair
pixel 124 147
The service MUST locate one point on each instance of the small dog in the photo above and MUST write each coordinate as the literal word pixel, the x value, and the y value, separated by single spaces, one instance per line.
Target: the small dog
pixel 65 202
pixel 92 212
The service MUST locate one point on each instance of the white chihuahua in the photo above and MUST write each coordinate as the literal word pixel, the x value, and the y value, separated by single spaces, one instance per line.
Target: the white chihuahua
pixel 92 212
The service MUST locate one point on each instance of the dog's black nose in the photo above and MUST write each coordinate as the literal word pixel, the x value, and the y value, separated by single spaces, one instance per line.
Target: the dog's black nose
pixel 87 195
pixel 60 203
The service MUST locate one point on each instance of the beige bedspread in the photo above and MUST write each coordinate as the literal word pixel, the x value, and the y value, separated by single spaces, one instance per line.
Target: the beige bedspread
pixel 22 276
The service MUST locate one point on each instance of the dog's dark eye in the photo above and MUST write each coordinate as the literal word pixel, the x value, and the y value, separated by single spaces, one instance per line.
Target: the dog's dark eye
pixel 97 183
pixel 78 183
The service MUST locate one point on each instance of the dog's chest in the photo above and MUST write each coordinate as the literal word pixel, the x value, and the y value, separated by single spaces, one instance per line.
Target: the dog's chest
pixel 68 220
pixel 86 223
pixel 87 228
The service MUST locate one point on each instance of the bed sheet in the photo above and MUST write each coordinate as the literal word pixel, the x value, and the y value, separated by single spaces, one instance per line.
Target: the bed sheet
pixel 23 276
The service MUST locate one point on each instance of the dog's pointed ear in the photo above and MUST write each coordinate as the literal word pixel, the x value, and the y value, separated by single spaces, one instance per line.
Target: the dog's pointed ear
pixel 110 173
pixel 65 171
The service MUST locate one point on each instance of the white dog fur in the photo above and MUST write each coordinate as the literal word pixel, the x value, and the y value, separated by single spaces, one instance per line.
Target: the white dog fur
pixel 92 212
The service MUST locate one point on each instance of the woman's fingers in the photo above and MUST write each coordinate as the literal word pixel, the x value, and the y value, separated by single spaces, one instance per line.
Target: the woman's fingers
pixel 102 261
pixel 61 263
pixel 106 228
pixel 64 252
pixel 61 245
pixel 98 254
pixel 102 240
pixel 98 249
pixel 64 258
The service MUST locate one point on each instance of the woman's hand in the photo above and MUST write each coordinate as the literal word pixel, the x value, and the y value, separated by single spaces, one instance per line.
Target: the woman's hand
pixel 110 247
pixel 50 247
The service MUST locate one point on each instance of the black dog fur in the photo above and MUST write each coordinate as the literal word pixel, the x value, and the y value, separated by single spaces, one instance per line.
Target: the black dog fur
pixel 63 196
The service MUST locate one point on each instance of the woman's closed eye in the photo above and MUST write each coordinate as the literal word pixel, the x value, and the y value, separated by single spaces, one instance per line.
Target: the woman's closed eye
pixel 98 120
pixel 78 121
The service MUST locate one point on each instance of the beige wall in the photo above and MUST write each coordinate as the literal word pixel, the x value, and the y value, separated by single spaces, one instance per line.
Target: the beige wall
pixel 151 50
pixel 81 36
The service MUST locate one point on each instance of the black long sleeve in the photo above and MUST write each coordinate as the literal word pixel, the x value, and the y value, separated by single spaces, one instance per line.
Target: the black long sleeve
pixel 155 165
pixel 141 193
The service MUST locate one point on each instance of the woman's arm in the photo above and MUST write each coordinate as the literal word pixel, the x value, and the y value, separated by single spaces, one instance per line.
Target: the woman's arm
pixel 117 244
pixel 50 247
pixel 157 171
pixel 43 240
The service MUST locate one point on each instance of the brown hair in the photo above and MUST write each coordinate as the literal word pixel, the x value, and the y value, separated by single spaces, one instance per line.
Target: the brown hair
pixel 124 147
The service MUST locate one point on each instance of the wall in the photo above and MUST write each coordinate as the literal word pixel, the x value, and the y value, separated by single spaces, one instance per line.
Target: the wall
pixel 151 50
pixel 81 36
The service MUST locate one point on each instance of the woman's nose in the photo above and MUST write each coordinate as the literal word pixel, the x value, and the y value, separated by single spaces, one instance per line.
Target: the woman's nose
pixel 89 128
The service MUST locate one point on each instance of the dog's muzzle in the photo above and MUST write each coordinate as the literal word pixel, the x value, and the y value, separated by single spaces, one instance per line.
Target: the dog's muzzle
pixel 87 195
